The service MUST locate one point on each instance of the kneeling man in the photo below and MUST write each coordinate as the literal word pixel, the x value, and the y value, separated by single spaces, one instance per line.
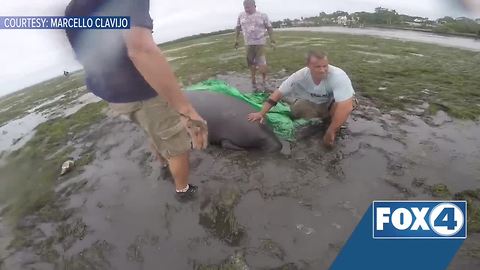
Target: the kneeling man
pixel 321 91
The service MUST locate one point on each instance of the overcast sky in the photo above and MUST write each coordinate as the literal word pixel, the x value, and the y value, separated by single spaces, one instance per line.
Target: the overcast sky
pixel 31 56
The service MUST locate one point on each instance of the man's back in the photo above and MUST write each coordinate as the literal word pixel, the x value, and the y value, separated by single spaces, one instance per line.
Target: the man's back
pixel 110 73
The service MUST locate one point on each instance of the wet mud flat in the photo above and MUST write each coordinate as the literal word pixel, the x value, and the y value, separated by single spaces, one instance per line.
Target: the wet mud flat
pixel 290 210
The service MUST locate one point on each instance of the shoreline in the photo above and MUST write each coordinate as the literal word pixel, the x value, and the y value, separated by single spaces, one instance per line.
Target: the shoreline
pixel 392 27
pixel 464 43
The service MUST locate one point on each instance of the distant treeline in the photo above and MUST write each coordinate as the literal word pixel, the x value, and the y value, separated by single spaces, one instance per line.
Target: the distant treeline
pixel 387 18
pixel 462 25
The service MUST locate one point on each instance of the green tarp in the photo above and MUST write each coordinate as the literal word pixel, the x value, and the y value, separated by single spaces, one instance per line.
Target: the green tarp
pixel 278 117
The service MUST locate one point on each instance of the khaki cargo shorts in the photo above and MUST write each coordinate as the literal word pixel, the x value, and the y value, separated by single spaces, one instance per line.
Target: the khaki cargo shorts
pixel 256 55
pixel 302 108
pixel 161 123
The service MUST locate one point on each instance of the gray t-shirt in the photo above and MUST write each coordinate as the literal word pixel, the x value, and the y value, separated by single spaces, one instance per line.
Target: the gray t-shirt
pixel 337 86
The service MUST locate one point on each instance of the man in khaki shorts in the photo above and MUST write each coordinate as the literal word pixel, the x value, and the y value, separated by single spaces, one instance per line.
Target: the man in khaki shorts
pixel 320 91
pixel 128 70
pixel 254 24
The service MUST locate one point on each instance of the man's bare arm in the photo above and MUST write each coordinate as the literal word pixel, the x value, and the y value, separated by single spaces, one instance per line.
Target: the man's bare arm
pixel 237 35
pixel 340 114
pixel 270 34
pixel 275 96
pixel 260 116
pixel 150 62
pixel 153 66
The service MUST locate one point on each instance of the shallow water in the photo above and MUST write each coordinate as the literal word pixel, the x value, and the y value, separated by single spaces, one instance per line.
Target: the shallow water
pixel 448 41
pixel 16 133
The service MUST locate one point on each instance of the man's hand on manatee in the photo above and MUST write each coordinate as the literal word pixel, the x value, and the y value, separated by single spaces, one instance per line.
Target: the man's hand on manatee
pixel 256 117
pixel 197 129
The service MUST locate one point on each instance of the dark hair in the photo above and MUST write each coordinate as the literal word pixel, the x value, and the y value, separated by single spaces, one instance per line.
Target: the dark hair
pixel 316 54
pixel 249 1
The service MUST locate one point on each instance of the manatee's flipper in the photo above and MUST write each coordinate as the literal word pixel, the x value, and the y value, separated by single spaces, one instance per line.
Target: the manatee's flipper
pixel 271 145
pixel 269 142
pixel 231 146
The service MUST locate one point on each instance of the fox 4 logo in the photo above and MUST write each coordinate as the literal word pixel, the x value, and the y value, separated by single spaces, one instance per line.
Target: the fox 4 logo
pixel 419 219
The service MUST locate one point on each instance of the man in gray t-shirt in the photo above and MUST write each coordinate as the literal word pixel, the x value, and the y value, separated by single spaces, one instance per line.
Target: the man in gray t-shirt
pixel 321 91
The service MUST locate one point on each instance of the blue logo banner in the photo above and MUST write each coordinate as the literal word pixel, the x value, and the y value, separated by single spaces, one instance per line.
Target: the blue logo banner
pixel 362 251
pixel 64 22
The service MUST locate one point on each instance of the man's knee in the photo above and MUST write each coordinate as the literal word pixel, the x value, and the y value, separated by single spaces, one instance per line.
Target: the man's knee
pixel 333 110
pixel 263 68
pixel 304 109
